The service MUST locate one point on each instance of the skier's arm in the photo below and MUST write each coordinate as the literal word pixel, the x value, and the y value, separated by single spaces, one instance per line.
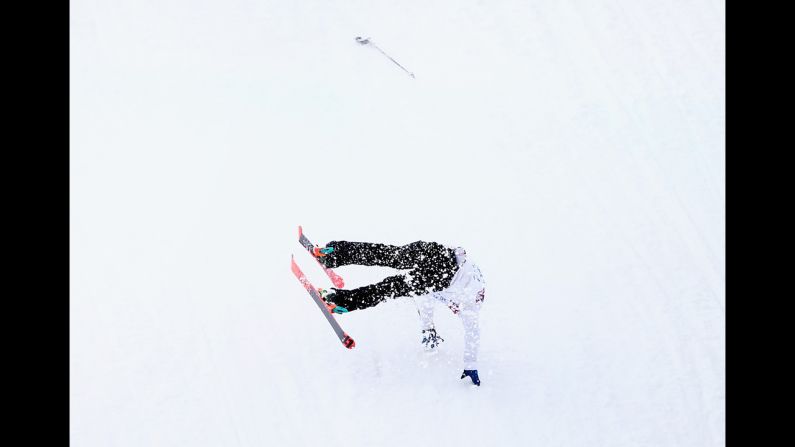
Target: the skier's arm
pixel 425 309
pixel 470 319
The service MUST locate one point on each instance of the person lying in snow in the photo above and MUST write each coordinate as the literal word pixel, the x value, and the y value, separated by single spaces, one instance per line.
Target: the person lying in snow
pixel 436 273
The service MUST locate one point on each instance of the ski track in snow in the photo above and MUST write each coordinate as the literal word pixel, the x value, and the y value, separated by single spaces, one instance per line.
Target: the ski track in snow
pixel 576 149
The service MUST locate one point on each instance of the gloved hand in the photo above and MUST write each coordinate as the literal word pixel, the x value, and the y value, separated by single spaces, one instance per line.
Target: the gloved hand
pixel 430 339
pixel 472 374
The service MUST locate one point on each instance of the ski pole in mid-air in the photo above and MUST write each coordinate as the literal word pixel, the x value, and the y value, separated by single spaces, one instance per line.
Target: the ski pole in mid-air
pixel 368 41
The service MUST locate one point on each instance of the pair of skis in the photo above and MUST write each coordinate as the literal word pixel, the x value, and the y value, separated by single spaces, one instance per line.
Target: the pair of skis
pixel 346 340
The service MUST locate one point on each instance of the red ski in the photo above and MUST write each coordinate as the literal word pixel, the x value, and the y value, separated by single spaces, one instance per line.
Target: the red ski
pixel 310 247
pixel 346 340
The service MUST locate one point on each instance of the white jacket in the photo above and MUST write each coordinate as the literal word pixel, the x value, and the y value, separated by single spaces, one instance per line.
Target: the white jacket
pixel 464 297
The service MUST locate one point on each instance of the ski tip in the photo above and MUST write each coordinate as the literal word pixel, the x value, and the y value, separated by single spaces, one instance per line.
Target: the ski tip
pixel 300 231
pixel 348 342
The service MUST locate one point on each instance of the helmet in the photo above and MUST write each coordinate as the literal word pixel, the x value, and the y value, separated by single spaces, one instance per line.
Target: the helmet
pixel 460 255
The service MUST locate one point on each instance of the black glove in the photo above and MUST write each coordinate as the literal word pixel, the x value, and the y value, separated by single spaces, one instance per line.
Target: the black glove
pixel 472 374
pixel 430 338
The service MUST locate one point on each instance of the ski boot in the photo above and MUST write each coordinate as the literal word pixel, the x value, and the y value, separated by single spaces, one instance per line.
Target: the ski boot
pixel 320 252
pixel 333 308
pixel 430 339
pixel 472 374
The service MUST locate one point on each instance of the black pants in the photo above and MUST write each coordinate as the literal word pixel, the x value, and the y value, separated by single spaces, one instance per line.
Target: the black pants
pixel 431 266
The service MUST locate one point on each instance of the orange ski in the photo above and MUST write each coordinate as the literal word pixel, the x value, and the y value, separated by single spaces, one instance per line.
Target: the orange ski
pixel 316 252
pixel 346 340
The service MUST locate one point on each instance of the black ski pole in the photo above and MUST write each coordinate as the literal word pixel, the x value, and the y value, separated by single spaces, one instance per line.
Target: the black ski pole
pixel 368 41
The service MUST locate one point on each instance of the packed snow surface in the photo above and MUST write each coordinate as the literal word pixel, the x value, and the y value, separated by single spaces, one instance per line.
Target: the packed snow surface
pixel 574 147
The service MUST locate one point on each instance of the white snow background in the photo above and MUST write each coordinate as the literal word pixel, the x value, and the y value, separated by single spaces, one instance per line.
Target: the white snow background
pixel 574 147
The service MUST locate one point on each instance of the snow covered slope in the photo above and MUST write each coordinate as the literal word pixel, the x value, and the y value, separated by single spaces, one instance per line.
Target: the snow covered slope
pixel 574 147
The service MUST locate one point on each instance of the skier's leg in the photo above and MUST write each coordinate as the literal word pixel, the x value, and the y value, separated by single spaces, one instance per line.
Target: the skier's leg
pixel 409 284
pixel 371 295
pixel 396 256
pixel 421 253
pixel 360 253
